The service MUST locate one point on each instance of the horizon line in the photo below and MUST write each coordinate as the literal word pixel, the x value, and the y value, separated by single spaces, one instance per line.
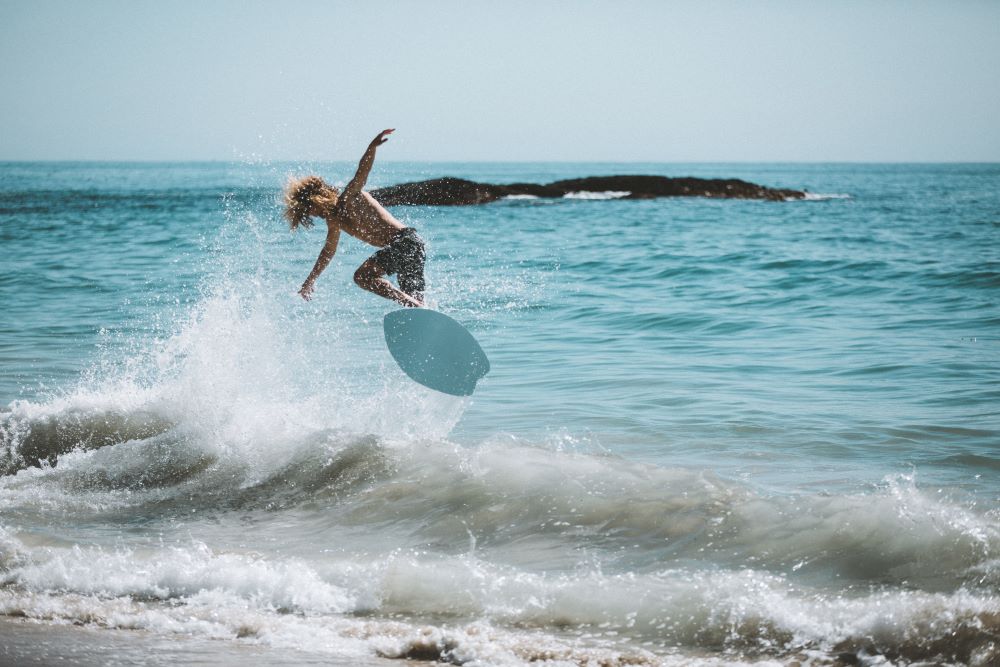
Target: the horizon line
pixel 482 161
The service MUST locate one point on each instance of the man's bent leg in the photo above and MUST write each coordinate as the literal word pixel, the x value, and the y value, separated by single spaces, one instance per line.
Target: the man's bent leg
pixel 372 277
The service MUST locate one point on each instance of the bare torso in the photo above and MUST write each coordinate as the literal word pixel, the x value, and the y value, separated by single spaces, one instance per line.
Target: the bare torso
pixel 364 218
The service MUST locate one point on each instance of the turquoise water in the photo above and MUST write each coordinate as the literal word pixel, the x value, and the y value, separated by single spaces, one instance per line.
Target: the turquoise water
pixel 713 430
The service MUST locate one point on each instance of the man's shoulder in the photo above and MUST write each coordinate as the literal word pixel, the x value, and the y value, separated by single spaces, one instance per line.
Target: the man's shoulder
pixel 335 222
pixel 348 200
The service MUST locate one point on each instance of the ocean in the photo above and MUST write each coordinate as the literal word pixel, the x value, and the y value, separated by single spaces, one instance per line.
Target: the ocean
pixel 716 432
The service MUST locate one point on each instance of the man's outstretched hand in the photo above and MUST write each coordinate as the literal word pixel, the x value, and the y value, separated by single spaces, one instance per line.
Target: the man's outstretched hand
pixel 306 291
pixel 382 137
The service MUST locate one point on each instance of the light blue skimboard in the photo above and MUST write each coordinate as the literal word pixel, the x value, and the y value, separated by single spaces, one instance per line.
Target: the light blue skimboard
pixel 435 350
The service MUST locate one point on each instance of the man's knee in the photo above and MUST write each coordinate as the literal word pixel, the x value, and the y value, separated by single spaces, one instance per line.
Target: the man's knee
pixel 367 274
pixel 362 276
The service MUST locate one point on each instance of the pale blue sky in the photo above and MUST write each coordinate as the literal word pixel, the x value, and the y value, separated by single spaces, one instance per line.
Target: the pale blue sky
pixel 636 80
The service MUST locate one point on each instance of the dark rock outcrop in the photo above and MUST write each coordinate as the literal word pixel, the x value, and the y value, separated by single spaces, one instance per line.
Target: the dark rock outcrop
pixel 438 192
pixel 460 192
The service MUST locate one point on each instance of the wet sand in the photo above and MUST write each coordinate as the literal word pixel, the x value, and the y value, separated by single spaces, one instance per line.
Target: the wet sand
pixel 30 642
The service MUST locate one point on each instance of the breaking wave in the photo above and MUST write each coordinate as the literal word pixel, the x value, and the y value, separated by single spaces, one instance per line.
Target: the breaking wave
pixel 281 528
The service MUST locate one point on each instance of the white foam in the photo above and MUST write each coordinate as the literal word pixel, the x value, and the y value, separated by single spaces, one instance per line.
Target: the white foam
pixel 819 196
pixel 606 194
pixel 287 602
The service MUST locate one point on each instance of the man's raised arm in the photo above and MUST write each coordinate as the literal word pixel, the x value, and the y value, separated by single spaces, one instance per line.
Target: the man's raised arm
pixel 353 188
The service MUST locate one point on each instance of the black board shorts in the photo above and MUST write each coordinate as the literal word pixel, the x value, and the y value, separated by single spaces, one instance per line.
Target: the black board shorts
pixel 404 257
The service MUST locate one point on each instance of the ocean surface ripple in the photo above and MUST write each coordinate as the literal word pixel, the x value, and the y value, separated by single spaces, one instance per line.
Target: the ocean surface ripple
pixel 715 432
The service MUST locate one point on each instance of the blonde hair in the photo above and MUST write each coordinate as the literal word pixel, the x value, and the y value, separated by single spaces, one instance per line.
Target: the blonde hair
pixel 304 196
